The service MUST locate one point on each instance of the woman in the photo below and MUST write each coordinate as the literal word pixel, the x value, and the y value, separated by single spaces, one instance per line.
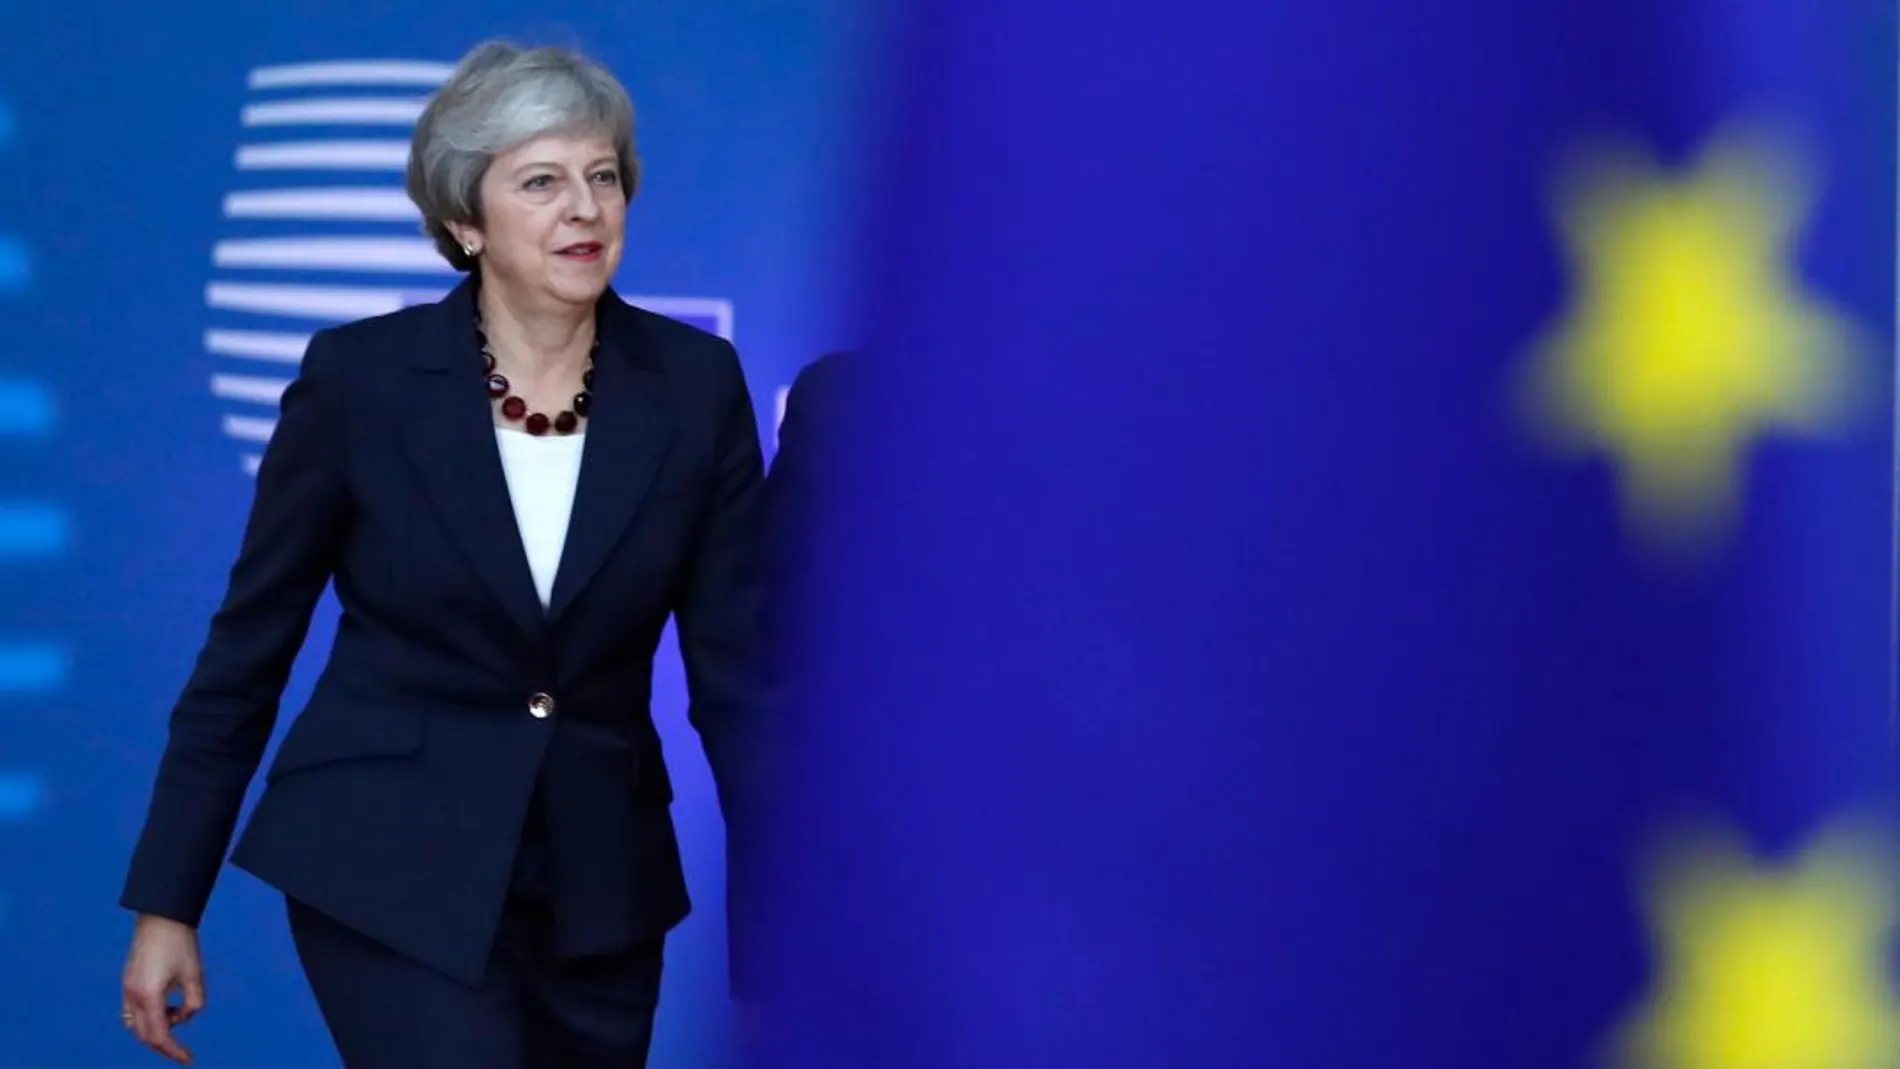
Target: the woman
pixel 512 490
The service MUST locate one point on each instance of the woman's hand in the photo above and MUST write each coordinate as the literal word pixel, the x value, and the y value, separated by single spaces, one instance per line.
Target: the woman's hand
pixel 163 959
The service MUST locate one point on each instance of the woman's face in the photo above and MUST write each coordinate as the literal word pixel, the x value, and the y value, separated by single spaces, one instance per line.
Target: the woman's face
pixel 554 219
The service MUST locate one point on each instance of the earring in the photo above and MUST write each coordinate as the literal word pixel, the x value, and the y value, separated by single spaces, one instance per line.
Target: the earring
pixel 467 248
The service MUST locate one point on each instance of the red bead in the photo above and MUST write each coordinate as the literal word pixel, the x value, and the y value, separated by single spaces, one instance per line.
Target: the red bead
pixel 537 424
pixel 497 386
pixel 566 422
pixel 582 402
pixel 488 362
pixel 514 408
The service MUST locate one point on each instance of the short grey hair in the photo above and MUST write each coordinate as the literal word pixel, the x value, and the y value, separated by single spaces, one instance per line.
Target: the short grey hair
pixel 499 97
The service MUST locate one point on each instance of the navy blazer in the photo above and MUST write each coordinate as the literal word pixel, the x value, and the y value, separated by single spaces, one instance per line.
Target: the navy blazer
pixel 396 801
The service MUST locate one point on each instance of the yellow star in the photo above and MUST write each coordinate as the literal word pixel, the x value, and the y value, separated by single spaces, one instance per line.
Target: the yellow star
pixel 1765 968
pixel 1688 335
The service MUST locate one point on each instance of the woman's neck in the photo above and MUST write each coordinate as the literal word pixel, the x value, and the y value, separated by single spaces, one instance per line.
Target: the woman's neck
pixel 538 344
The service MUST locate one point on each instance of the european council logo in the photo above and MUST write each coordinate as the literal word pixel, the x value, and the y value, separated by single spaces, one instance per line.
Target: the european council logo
pixel 317 230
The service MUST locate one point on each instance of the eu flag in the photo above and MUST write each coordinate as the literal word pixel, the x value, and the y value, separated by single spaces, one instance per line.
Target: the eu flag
pixel 1366 544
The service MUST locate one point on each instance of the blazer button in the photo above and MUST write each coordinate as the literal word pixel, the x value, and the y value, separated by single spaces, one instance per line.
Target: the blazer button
pixel 540 706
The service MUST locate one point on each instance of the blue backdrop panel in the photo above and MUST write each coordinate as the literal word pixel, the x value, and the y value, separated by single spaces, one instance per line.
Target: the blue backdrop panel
pixel 1247 688
pixel 191 192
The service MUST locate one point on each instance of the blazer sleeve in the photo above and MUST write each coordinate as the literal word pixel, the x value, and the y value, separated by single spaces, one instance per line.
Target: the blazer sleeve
pixel 223 719
pixel 718 626
pixel 718 612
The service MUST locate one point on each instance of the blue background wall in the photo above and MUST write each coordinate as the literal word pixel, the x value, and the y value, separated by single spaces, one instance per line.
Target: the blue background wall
pixel 123 439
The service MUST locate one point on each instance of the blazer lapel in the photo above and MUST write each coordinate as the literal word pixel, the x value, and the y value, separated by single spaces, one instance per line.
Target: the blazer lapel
pixel 629 429
pixel 450 433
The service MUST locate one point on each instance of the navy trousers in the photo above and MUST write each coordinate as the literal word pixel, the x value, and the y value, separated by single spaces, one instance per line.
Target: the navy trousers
pixel 532 1010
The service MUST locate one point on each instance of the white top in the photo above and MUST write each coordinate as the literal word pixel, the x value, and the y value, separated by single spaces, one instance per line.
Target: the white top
pixel 542 472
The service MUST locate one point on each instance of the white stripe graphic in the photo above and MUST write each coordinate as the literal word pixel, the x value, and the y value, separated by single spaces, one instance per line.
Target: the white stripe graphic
pixel 351 72
pixel 343 202
pixel 332 303
pixel 252 461
pixel 249 428
pixel 719 311
pixel 410 255
pixel 257 344
pixel 253 388
pixel 359 155
pixel 381 111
